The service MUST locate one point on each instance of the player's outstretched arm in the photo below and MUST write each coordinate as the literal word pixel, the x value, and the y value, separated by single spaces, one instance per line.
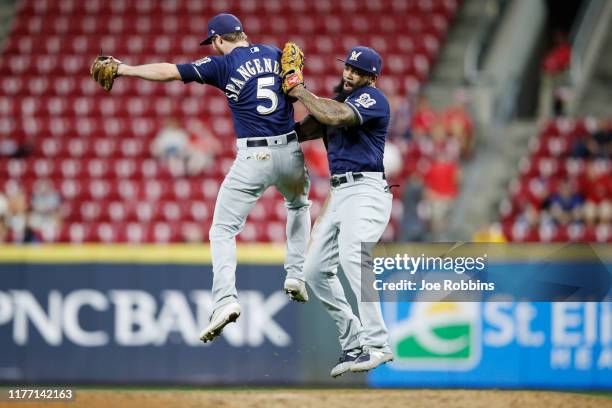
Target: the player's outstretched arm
pixel 160 72
pixel 326 111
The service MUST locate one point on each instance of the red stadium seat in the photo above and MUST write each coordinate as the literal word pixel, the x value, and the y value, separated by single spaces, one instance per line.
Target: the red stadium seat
pixel 97 150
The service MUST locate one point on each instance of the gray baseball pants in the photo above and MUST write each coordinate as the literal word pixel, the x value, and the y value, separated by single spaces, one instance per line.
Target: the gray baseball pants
pixel 254 170
pixel 354 212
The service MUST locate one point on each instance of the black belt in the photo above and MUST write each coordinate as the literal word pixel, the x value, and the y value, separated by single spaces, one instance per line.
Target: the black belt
pixel 338 180
pixel 264 142
pixel 335 181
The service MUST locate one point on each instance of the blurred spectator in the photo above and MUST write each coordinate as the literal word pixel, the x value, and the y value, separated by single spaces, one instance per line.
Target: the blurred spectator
pixel 538 190
pixel 555 64
pixel 585 148
pixel 16 149
pixel 399 127
pixel 596 188
pixel 558 58
pixel 441 188
pixel 45 218
pixel 202 149
pixel 530 216
pixel 170 146
pixel 595 184
pixel 595 145
pixel 424 117
pixel 603 137
pixel 565 205
pixel 17 221
pixel 438 143
pixel 605 212
pixel 8 147
pixel 458 124
pixel 577 199
pixel 413 227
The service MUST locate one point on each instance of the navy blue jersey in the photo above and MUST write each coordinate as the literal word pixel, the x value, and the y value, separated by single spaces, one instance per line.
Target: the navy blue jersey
pixel 361 147
pixel 250 78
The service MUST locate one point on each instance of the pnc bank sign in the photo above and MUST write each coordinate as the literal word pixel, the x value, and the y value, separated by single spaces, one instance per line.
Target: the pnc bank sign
pixel 138 318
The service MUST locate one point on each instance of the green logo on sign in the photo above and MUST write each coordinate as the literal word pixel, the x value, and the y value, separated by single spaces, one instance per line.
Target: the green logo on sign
pixel 438 336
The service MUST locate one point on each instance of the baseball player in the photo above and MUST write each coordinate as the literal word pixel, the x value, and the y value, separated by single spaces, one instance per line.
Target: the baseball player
pixel 357 210
pixel 268 152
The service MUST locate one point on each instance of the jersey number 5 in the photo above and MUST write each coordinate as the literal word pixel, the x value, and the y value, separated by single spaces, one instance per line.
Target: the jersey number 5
pixel 263 92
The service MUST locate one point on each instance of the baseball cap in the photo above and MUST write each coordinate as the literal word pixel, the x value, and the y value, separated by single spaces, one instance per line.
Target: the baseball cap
pixel 220 24
pixel 365 59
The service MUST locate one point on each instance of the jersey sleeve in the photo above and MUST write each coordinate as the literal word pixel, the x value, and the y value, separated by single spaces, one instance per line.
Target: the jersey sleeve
pixel 207 70
pixel 368 104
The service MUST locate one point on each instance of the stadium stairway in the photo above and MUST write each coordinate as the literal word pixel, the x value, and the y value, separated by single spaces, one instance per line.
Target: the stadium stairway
pixel 487 177
pixel 597 99
pixel 499 144
pixel 446 78
pixel 448 73
pixel 7 12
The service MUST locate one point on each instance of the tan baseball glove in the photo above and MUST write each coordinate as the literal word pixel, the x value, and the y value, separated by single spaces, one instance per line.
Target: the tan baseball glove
pixel 292 63
pixel 104 71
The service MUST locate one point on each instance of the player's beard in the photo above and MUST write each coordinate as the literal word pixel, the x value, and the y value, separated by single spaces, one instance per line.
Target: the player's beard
pixel 341 94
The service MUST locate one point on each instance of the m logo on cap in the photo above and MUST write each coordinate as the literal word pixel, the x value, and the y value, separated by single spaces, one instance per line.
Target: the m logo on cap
pixel 355 55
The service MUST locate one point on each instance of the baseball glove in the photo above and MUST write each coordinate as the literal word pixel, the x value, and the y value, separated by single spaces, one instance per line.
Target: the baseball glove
pixel 104 71
pixel 292 63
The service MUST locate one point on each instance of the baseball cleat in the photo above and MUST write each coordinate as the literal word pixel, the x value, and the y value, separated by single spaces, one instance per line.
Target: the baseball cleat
pixel 220 318
pixel 371 358
pixel 345 361
pixel 296 289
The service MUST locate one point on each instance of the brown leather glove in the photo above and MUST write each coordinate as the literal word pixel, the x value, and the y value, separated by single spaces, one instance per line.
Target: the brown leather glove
pixel 104 71
pixel 292 63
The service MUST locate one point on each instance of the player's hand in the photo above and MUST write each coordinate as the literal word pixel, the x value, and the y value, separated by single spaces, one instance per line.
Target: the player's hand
pixel 104 70
pixel 292 63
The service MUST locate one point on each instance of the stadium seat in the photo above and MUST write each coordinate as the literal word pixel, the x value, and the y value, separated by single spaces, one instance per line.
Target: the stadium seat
pixel 97 151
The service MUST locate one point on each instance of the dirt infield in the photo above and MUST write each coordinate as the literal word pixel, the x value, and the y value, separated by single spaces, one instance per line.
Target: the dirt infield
pixel 336 398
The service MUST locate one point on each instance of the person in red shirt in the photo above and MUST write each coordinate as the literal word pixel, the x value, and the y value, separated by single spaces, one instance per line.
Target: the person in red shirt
pixel 459 124
pixel 424 117
pixel 441 188
pixel 558 58
pixel 554 66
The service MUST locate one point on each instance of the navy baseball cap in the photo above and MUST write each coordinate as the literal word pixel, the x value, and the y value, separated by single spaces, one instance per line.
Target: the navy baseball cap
pixel 220 24
pixel 365 59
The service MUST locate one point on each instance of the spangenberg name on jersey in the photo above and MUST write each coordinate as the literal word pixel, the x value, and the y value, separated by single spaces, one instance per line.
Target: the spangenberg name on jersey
pixel 247 71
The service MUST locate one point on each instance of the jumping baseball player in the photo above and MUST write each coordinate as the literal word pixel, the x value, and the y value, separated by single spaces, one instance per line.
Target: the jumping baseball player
pixel 357 210
pixel 268 152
